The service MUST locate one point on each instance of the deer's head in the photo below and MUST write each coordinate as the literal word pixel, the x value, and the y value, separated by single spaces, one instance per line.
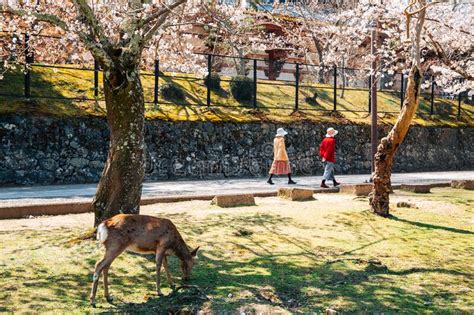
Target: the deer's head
pixel 188 264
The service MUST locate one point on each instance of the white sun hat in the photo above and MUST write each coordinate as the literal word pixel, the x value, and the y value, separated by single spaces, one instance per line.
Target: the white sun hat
pixel 331 132
pixel 281 132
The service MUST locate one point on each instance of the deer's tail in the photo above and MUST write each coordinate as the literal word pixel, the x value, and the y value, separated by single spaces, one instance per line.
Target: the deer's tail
pixel 102 233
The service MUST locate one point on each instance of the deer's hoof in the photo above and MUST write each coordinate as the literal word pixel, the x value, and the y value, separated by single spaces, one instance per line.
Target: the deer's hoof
pixel 159 293
pixel 109 299
pixel 93 304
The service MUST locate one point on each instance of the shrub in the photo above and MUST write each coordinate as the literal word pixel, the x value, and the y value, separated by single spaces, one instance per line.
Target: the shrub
pixel 171 91
pixel 312 100
pixel 213 82
pixel 241 88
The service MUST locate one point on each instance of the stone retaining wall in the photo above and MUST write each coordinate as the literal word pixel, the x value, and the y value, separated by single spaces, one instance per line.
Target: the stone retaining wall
pixel 43 150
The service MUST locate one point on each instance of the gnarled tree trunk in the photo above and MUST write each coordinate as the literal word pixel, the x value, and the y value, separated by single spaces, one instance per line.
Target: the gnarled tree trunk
pixel 120 186
pixel 379 198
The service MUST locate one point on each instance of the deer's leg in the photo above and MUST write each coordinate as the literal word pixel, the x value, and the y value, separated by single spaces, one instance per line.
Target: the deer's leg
pixel 168 274
pixel 160 254
pixel 110 254
pixel 106 283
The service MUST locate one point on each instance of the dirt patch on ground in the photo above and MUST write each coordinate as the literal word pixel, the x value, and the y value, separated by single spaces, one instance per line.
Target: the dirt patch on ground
pixel 434 203
pixel 197 208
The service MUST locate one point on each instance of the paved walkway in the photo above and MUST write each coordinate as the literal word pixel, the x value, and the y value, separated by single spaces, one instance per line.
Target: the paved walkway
pixel 201 187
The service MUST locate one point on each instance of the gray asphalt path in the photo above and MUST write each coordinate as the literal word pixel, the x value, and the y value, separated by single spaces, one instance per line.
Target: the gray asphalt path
pixel 201 187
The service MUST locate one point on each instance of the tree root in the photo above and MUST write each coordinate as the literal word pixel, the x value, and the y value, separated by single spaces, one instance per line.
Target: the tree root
pixel 89 234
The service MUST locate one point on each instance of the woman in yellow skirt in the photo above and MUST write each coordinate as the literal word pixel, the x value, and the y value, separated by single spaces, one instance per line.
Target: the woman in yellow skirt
pixel 281 164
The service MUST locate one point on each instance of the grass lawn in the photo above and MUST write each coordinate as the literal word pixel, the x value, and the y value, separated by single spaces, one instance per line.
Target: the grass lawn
pixel 275 101
pixel 276 257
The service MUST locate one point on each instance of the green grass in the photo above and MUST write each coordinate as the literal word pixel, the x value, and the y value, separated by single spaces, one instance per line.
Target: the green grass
pixel 276 257
pixel 48 85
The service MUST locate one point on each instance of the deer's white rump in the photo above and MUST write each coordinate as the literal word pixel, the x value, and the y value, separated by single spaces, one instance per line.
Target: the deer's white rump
pixel 102 233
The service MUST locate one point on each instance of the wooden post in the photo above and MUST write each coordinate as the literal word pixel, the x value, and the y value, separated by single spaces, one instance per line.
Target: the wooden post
pixel 432 95
pixel 297 84
pixel 335 89
pixel 373 89
pixel 156 77
pixel 370 93
pixel 96 79
pixel 209 69
pixel 402 89
pixel 27 72
pixel 459 105
pixel 255 83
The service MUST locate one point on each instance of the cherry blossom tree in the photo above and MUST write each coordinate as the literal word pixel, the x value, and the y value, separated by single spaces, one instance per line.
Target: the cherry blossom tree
pixel 232 31
pixel 116 34
pixel 445 42
pixel 379 198
pixel 124 36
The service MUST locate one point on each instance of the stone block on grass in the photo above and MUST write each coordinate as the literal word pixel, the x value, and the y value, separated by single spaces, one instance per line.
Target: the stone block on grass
pixel 358 189
pixel 419 189
pixel 296 194
pixel 463 184
pixel 236 200
pixel 330 190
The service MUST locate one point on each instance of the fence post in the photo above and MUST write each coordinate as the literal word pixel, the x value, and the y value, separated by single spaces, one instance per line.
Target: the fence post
pixel 28 61
pixel 370 93
pixel 96 79
pixel 402 89
pixel 297 85
pixel 459 105
pixel 156 76
pixel 255 83
pixel 432 95
pixel 209 69
pixel 335 88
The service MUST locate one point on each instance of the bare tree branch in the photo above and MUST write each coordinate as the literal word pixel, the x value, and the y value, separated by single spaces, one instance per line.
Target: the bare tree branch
pixel 446 60
pixel 48 18
pixel 87 17
pixel 156 15
pixel 144 29
pixel 448 26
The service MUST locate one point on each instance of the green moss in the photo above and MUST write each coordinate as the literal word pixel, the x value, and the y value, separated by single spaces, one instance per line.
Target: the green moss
pixel 275 101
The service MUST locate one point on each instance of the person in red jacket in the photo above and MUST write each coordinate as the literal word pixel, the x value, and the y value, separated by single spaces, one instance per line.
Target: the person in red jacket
pixel 327 151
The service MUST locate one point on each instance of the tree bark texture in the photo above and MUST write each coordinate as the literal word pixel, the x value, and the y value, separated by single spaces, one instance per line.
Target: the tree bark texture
pixel 120 186
pixel 379 198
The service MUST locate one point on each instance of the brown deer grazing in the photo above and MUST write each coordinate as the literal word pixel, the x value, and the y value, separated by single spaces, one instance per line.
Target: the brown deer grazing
pixel 145 235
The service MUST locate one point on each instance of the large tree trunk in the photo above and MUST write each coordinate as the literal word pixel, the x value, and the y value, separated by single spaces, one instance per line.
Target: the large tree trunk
pixel 120 186
pixel 379 198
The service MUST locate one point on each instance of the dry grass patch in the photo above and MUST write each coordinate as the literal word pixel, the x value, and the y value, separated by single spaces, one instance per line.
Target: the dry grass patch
pixel 278 256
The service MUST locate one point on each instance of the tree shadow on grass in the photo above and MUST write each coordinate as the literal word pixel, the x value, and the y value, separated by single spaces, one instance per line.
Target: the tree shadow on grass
pixel 431 226
pixel 292 287
pixel 46 97
pixel 280 279
pixel 301 279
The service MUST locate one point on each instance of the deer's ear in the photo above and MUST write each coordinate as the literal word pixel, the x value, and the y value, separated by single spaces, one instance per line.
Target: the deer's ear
pixel 194 252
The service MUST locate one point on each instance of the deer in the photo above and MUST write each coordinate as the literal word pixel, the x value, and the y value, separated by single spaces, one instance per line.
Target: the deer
pixel 141 234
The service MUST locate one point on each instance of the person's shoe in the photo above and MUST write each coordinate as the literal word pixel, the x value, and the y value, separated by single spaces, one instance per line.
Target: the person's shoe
pixel 270 182
pixel 324 185
pixel 336 184
pixel 291 182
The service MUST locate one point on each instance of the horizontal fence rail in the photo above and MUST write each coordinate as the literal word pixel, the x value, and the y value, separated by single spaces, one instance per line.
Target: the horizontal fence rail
pixel 306 85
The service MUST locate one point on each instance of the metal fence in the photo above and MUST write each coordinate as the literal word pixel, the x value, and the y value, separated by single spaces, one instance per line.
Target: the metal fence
pixel 276 84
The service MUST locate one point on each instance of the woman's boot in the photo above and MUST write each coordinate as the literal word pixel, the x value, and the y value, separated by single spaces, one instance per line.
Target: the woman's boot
pixel 269 181
pixel 290 181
